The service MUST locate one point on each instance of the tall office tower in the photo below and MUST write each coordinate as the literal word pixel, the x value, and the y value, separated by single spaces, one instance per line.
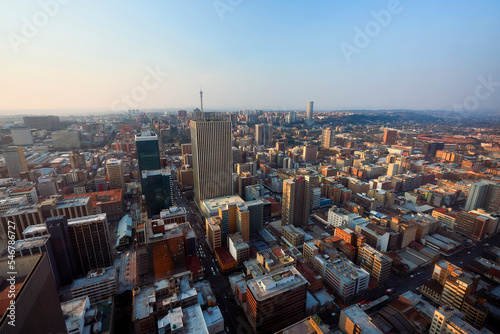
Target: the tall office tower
pixel 492 198
pixel 214 232
pixel 293 202
pixel 77 160
pixel 276 300
pixel 327 138
pixel 291 117
pixel 89 238
pixel 310 106
pixel 310 153
pixel 312 181
pixel 21 135
pixel 182 113
pixel 148 152
pixel 37 308
pixel 281 145
pixel 456 287
pixel 157 190
pixel 212 157
pixel 392 169
pixel 263 134
pixel 390 136
pixel 57 227
pixel 476 196
pixel 115 171
pixel 15 161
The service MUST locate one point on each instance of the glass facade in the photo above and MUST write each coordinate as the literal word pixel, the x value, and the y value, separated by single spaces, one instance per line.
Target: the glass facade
pixel 157 190
pixel 148 153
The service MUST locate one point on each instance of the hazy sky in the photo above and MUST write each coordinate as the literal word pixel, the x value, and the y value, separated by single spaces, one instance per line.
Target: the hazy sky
pixel 249 54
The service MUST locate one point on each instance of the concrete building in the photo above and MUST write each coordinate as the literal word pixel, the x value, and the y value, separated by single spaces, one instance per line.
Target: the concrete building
pixel 376 237
pixel 390 136
pixel 310 153
pixel 89 238
pixel 472 225
pixel 214 232
pixel 238 248
pixel 65 140
pixel 376 263
pixel 15 161
pixel 116 174
pixel 292 235
pixel 338 217
pixel 309 113
pixel 21 135
pixel 449 320
pixel 476 196
pixel 48 123
pixel 354 320
pixel 310 325
pixel 345 278
pixel 293 212
pixel 212 157
pixel 276 300
pixel 263 134
pixel 99 284
pixel 37 306
pixel 327 138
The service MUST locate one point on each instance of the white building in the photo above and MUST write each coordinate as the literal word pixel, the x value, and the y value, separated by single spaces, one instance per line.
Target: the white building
pixel 339 217
pixel 21 135
pixel 344 277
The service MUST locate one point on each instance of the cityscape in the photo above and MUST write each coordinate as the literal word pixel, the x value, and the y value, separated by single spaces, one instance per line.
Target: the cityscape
pixel 241 189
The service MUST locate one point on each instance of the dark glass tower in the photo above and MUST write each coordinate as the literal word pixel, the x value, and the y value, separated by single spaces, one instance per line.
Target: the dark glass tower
pixel 157 190
pixel 148 153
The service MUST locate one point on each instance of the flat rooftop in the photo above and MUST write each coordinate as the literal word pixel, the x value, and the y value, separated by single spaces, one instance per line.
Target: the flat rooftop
pixel 360 318
pixel 109 274
pixel 142 308
pixel 194 322
pixel 74 312
pixel 212 205
pixel 276 283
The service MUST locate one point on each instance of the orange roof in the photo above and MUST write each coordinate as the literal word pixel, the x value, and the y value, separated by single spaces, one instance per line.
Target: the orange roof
pixel 23 190
pixel 115 195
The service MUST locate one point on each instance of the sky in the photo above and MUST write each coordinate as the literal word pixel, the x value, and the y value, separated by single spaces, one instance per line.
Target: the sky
pixel 64 55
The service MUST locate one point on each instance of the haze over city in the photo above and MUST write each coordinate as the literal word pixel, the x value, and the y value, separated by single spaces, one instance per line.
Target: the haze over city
pixel 65 56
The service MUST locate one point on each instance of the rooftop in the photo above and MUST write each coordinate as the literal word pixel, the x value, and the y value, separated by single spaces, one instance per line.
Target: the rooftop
pixel 194 322
pixel 74 312
pixel 102 276
pixel 361 319
pixel 142 302
pixel 276 283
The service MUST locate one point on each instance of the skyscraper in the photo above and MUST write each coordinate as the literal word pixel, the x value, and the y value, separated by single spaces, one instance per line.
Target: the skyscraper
pixel 212 156
pixel 148 152
pixel 293 203
pixel 492 197
pixel 327 138
pixel 310 106
pixel 476 196
pixel 390 136
pixel 263 134
pixel 15 160
pixel 114 169
pixel 157 190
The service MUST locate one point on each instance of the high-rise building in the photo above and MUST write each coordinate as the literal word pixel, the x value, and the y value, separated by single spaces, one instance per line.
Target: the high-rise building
pixel 276 300
pixel 431 148
pixel 473 225
pixel 212 157
pixel 376 263
pixel 449 320
pixel 293 202
pixel 263 134
pixel 327 138
pixel 21 135
pixel 89 238
pixel 310 107
pixel 37 308
pixel 390 136
pixel 214 232
pixel 310 153
pixel 15 161
pixel 157 190
pixel 57 227
pixel 492 197
pixel 312 181
pixel 476 196
pixel 148 152
pixel 115 171
pixel 392 169
pixel 243 222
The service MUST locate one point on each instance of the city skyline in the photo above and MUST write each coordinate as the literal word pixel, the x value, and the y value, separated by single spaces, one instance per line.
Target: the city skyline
pixel 250 55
